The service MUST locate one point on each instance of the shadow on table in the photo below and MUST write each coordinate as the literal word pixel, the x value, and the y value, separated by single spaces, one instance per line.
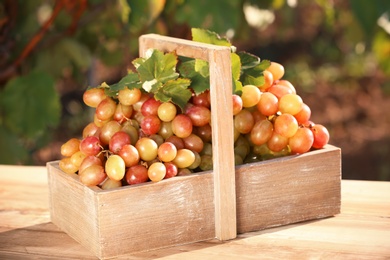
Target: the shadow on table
pixel 40 241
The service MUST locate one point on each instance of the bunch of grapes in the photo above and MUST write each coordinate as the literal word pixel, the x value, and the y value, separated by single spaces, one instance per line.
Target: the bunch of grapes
pixel 135 138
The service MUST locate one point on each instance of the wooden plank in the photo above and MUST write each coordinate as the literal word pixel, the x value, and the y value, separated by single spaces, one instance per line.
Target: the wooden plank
pixel 134 218
pixel 288 190
pixel 221 117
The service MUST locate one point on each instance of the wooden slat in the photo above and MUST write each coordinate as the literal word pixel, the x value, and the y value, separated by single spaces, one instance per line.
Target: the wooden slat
pixel 221 117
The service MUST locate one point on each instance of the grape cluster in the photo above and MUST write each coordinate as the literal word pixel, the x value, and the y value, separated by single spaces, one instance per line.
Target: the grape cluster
pixel 135 138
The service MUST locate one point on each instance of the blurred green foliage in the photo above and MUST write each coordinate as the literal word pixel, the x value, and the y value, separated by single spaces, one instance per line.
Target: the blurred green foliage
pixel 41 67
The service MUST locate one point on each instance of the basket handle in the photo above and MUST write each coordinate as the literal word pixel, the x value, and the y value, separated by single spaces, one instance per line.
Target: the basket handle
pixel 221 117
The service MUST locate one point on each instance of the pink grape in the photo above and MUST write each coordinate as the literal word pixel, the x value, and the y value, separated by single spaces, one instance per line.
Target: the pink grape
pixel 302 141
pixel 106 109
pixel 150 124
pixel 182 126
pixel 90 145
pixel 261 132
pixel 136 174
pixel 199 115
pixel 92 97
pixel 167 152
pixel 150 107
pixel 118 140
pixel 129 155
pixel 92 175
pixel 286 125
pixel 321 136
pixel 171 170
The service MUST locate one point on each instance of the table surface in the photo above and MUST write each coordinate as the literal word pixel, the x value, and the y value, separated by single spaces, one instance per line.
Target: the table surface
pixel 360 231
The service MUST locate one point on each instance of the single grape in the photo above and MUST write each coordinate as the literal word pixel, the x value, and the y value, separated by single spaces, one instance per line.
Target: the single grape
pixel 147 148
pixel 277 142
pixel 88 161
pixel 302 141
pixel 115 167
pixel 129 97
pixel 109 184
pixel 166 111
pixel 182 126
pixel 106 109
pixel 202 99
pixel 287 84
pixel 184 158
pixel 92 97
pixel 136 174
pixel 261 132
pixel 132 130
pixel 129 155
pixel 67 166
pixel 150 107
pixel 150 124
pixel 244 121
pixel 291 104
pixel 204 132
pixel 277 70
pixel 238 160
pixel 90 145
pixel 118 140
pixel 70 147
pixel 157 171
pixel 199 115
pixel 183 172
pixel 92 175
pixel 321 136
pixel 279 90
pixel 77 158
pixel 193 142
pixel 303 116
pixel 206 163
pixel 165 130
pixel 171 170
pixel 98 122
pixel 197 161
pixel 90 129
pixel 237 104
pixel 268 104
pixel 108 130
pixel 250 95
pixel 268 80
pixel 167 152
pixel 286 125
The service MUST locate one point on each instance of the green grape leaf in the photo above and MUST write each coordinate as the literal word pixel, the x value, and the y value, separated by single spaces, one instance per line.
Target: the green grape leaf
pixel 130 81
pixel 12 151
pixel 175 91
pixel 159 66
pixel 248 60
pixel 236 65
pixel 206 36
pixel 202 67
pixel 30 103
pixel 254 75
pixel 199 83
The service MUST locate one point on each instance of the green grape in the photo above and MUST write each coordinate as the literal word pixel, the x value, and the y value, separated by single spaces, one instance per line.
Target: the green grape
pixel 250 95
pixel 109 184
pixel 184 158
pixel 70 147
pixel 206 163
pixel 157 171
pixel 67 166
pixel 129 97
pixel 147 148
pixel 166 112
pixel 115 167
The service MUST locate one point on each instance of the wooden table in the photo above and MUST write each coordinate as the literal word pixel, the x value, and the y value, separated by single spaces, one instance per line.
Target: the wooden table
pixel 361 231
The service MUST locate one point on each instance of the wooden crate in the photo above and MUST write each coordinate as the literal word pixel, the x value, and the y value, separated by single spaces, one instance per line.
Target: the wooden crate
pixel 215 204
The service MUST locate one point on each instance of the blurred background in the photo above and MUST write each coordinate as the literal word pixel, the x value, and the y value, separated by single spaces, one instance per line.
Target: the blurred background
pixel 335 52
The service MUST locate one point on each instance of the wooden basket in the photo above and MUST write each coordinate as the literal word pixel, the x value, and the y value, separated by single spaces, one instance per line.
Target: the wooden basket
pixel 214 204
